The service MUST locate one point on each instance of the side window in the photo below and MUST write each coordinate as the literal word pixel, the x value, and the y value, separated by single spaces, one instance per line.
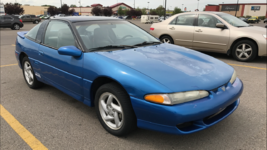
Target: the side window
pixel 151 17
pixel 28 17
pixel 33 32
pixel 7 18
pixel 58 34
pixel 207 21
pixel 32 16
pixel 186 20
pixel 173 22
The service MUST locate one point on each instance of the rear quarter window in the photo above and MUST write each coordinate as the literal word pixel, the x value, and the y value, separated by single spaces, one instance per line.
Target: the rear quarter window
pixel 33 32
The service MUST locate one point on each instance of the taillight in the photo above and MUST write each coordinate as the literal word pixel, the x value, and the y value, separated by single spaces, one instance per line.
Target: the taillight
pixel 20 20
pixel 152 29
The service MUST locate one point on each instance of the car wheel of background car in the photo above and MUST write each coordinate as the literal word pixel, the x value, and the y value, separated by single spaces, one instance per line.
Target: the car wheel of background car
pixel 36 22
pixel 166 39
pixel 244 50
pixel 15 27
pixel 28 74
pixel 114 109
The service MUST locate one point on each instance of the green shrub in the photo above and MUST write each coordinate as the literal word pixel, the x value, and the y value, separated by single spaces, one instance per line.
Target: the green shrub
pixel 261 17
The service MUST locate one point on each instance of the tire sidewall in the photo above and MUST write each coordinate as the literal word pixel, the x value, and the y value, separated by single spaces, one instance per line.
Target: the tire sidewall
pixel 122 97
pixel 248 42
pixel 168 37
pixel 15 28
pixel 36 83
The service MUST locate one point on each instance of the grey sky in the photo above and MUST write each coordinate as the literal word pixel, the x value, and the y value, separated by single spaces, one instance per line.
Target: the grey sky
pixel 190 4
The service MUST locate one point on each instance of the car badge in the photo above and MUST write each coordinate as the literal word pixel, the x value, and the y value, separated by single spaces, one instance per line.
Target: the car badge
pixel 223 88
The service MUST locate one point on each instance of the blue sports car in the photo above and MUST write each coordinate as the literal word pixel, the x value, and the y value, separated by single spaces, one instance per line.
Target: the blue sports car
pixel 131 78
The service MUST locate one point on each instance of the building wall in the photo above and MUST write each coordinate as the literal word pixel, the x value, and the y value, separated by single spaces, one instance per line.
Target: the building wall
pixel 34 10
pixel 249 12
pixel 212 8
pixel 238 13
pixel 84 10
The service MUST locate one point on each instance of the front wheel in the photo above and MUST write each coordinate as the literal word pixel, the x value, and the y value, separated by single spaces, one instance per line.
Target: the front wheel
pixel 28 74
pixel 244 50
pixel 166 39
pixel 114 109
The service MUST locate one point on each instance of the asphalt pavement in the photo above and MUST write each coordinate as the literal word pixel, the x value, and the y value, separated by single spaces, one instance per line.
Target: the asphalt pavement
pixel 60 122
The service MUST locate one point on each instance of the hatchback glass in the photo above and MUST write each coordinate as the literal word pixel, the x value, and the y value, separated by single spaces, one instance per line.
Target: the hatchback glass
pixel 97 34
pixel 233 20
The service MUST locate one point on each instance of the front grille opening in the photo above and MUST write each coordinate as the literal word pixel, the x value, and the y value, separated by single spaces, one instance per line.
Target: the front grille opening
pixel 217 116
pixel 187 126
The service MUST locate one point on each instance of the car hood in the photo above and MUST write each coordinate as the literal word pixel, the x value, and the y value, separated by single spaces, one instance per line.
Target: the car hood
pixel 254 29
pixel 175 67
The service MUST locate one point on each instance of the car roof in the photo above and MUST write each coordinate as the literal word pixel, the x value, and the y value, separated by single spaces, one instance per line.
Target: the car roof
pixel 203 12
pixel 85 18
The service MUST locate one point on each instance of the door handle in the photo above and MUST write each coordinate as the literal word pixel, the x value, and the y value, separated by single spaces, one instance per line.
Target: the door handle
pixel 172 28
pixel 199 30
pixel 41 53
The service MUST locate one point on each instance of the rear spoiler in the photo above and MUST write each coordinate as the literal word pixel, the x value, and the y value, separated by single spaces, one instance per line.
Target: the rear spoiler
pixel 22 34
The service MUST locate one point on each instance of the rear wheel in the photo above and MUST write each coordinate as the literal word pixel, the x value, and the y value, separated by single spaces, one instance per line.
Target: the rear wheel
pixel 114 109
pixel 166 39
pixel 36 22
pixel 15 27
pixel 244 50
pixel 28 74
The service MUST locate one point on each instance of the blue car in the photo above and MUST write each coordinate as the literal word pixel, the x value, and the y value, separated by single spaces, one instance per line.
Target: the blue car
pixel 130 77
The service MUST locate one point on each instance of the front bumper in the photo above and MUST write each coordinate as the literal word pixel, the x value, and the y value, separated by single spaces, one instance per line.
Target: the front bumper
pixel 188 117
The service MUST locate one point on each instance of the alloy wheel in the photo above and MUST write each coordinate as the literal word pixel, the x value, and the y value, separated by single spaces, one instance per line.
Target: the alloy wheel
pixel 166 40
pixel 28 72
pixel 16 26
pixel 111 111
pixel 243 51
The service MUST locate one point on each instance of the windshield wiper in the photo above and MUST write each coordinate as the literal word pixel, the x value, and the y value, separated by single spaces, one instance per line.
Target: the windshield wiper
pixel 147 43
pixel 112 46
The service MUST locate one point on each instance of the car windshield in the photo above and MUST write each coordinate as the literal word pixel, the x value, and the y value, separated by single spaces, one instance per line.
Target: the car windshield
pixel 252 18
pixel 112 34
pixel 233 20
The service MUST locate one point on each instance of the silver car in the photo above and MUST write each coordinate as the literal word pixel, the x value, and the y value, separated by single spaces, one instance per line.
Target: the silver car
pixel 213 32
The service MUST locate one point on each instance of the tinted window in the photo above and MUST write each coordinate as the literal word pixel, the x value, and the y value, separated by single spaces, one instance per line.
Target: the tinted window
pixel 27 16
pixel 58 34
pixel 33 32
pixel 187 20
pixel 151 17
pixel 207 21
pixel 7 18
pixel 32 15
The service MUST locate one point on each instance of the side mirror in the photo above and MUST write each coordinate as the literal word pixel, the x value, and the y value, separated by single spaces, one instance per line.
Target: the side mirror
pixel 220 25
pixel 70 51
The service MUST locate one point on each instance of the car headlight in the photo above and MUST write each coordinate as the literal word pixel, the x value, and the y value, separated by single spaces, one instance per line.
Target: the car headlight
pixel 233 78
pixel 264 36
pixel 176 98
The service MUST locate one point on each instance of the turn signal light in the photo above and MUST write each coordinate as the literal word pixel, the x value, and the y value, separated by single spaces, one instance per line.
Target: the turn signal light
pixel 155 98
pixel 152 29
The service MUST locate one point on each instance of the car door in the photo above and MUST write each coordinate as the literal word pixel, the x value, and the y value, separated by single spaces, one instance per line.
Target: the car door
pixel 27 18
pixel 207 37
pixel 8 21
pixel 181 30
pixel 2 21
pixel 61 71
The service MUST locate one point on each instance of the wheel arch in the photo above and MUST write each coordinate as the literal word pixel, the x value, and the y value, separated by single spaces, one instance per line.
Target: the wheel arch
pixel 166 35
pixel 98 82
pixel 21 56
pixel 240 39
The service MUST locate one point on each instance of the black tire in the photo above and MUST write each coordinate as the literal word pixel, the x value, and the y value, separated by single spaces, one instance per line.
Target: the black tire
pixel 35 22
pixel 164 39
pixel 129 119
pixel 252 54
pixel 15 26
pixel 35 83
